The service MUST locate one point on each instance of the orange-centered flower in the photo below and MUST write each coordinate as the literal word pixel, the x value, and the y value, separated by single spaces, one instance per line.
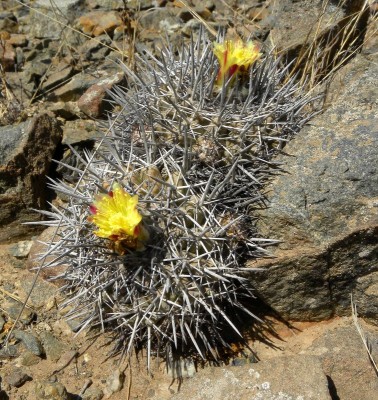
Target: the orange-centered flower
pixel 116 216
pixel 234 56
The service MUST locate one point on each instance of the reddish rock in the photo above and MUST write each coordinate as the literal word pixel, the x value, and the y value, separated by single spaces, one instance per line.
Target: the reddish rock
pixel 98 22
pixel 92 101
pixel 7 56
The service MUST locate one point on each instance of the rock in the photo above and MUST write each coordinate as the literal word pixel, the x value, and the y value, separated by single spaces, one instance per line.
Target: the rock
pixel 8 352
pixel 80 130
pixel 53 347
pixel 13 309
pixel 72 90
pixel 96 49
pixel 26 150
pixel 41 294
pixel 31 342
pixel 97 23
pixel 92 102
pixel 7 57
pixel 114 383
pixel 17 378
pixel 161 20
pixel 34 261
pixel 48 19
pixel 50 391
pixel 58 76
pixel 21 249
pixel 93 393
pixel 289 377
pixel 323 209
pixel 28 359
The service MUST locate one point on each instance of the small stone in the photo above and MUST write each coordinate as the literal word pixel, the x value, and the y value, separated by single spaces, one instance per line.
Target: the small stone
pixel 8 352
pixel 238 362
pixel 94 49
pixel 72 90
pixel 97 23
pixel 28 359
pixel 62 73
pixel 30 342
pixel 92 101
pixel 53 347
pixel 21 249
pixel 93 393
pixel 7 57
pixel 114 383
pixel 79 131
pixel 17 378
pixel 13 309
pixel 50 391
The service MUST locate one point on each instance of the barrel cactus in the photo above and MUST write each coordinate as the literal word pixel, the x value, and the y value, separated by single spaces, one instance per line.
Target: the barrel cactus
pixel 159 223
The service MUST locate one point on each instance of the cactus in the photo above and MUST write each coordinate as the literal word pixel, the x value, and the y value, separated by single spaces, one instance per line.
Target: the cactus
pixel 185 157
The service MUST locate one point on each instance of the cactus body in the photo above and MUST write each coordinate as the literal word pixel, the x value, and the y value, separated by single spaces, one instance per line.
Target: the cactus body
pixel 196 155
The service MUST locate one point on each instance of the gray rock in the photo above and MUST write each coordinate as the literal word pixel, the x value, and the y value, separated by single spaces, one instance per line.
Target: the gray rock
pixel 72 90
pixel 25 156
pixel 289 377
pixel 21 249
pixel 31 342
pixel 323 209
pixel 50 391
pixel 41 293
pixel 94 50
pixel 28 359
pixel 16 378
pixel 161 20
pixel 114 383
pixel 80 130
pixel 93 393
pixel 8 352
pixel 53 347
pixel 58 76
pixel 43 20
pixel 13 309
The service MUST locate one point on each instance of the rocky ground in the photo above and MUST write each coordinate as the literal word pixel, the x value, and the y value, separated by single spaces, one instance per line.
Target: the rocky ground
pixel 58 59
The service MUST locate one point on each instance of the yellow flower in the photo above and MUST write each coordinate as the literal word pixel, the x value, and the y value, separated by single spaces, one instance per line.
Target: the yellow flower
pixel 234 56
pixel 116 216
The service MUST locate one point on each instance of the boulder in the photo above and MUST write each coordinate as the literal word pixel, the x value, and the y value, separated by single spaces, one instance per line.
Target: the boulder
pixel 26 151
pixel 323 208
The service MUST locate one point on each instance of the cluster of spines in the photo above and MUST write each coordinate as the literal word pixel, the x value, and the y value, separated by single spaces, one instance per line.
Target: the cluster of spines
pixel 197 156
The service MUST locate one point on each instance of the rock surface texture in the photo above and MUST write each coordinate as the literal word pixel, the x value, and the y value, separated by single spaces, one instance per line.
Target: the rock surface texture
pixel 324 208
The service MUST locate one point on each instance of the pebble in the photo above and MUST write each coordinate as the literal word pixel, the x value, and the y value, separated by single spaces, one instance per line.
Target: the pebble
pixel 16 378
pixel 54 348
pixel 7 352
pixel 50 391
pixel 28 359
pixel 21 249
pixel 114 383
pixel 30 342
pixel 93 393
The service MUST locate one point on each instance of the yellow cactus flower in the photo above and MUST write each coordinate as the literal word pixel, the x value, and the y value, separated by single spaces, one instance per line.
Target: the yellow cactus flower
pixel 117 217
pixel 234 56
